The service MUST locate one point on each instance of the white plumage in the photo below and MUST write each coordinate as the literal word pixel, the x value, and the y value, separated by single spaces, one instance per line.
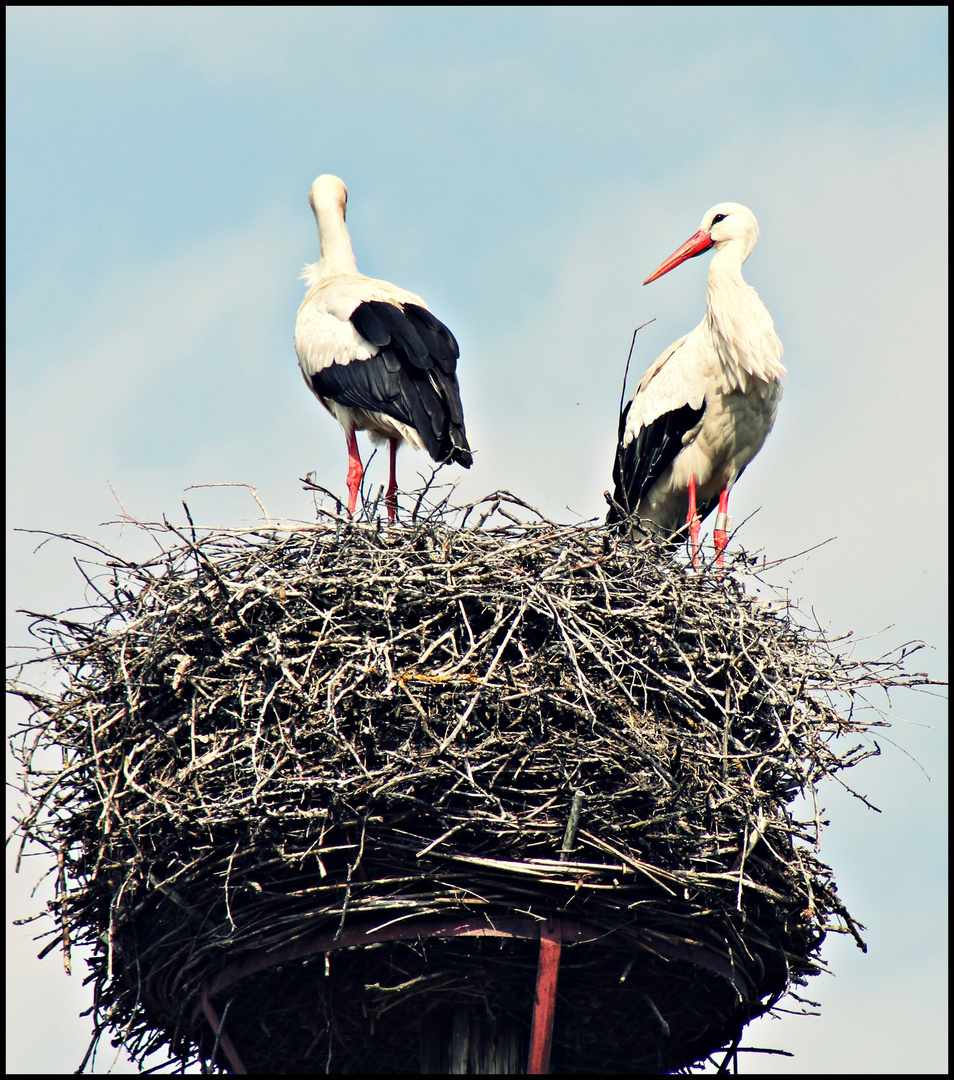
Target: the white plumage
pixel 373 354
pixel 703 409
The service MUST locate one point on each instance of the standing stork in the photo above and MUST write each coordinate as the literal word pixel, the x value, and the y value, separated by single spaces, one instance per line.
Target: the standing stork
pixel 705 406
pixel 373 354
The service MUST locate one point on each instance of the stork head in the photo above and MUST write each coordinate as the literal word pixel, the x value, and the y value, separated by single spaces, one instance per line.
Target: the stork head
pixel 726 224
pixel 328 196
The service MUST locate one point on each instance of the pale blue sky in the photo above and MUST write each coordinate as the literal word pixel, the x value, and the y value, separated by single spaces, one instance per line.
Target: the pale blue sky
pixel 522 170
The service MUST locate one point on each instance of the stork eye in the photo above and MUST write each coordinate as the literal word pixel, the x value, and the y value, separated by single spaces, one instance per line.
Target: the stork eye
pixel 718 218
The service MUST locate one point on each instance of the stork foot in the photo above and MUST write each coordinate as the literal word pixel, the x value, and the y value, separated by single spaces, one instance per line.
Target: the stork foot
pixel 693 521
pixel 694 540
pixel 720 535
pixel 355 473
pixel 354 486
pixel 390 497
pixel 719 539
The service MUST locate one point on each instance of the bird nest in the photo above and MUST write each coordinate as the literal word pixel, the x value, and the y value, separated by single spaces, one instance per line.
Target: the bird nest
pixel 319 786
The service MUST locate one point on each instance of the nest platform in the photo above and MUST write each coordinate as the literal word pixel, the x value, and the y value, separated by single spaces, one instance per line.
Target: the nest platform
pixel 316 792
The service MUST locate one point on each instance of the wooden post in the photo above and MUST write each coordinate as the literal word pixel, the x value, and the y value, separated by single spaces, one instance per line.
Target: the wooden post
pixel 468 1040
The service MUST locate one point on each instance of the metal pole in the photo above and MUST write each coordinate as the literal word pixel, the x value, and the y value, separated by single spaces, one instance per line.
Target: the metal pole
pixel 544 1006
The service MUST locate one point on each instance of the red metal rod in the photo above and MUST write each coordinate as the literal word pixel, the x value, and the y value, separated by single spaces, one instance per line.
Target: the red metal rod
pixel 544 1006
pixel 224 1041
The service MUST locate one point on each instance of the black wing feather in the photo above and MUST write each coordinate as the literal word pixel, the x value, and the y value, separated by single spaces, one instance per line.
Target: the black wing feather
pixel 386 324
pixel 441 343
pixel 638 466
pixel 411 378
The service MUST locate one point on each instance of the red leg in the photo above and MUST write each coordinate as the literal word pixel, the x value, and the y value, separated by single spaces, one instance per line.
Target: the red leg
pixel 389 499
pixel 719 536
pixel 692 520
pixel 355 471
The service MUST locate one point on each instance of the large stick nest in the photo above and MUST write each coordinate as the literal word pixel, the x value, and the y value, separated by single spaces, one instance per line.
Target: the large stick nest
pixel 264 735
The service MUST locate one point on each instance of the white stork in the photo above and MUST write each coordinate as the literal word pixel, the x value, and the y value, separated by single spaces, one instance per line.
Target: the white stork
pixel 705 406
pixel 373 354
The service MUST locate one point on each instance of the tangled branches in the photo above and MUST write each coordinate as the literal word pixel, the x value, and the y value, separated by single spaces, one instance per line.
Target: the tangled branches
pixel 264 735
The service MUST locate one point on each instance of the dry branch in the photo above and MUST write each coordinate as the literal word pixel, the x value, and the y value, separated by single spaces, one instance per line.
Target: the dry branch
pixel 263 734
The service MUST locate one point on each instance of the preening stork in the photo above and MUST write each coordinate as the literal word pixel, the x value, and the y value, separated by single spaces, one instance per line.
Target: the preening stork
pixel 373 354
pixel 703 409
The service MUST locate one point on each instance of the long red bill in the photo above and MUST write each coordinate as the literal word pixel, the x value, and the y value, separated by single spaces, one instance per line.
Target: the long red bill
pixel 695 245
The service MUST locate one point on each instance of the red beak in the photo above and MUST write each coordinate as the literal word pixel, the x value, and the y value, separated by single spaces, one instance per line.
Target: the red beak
pixel 695 245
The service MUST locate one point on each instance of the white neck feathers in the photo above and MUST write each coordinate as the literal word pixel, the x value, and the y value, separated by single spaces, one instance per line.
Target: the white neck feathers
pixel 328 200
pixel 738 325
